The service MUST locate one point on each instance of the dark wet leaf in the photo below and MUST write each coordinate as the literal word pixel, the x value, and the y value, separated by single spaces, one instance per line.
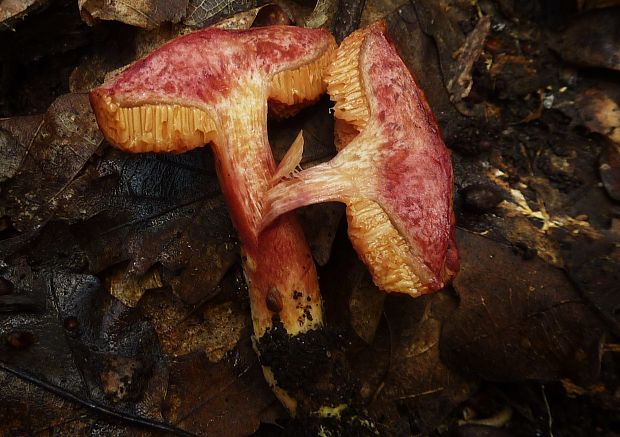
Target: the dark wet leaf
pixel 11 11
pixel 149 209
pixel 348 18
pixel 365 303
pixel 14 153
pixel 92 338
pixel 225 398
pixel 119 47
pixel 142 13
pixel 419 391
pixel 201 13
pixel 28 409
pixel 420 53
pixel 609 168
pixel 320 224
pixel 37 55
pixel 23 130
pixel 317 125
pixel 460 82
pixel 594 268
pixel 61 146
pixel 214 328
pixel 591 40
pixel 594 106
pixel 529 323
pixel 445 32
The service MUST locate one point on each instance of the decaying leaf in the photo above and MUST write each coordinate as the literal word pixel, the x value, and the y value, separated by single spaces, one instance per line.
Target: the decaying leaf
pixel 201 13
pixel 164 210
pixel 609 168
pixel 594 268
pixel 419 391
pixel 213 329
pixel 459 85
pixel 12 10
pixel 142 13
pixel 129 290
pixel 323 14
pixel 61 146
pixel 591 40
pixel 418 51
pixel 595 107
pixel 530 324
pixel 365 304
pixel 14 153
pixel 224 398
pixel 90 335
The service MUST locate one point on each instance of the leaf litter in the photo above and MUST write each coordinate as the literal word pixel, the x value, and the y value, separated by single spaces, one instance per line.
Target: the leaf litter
pixel 536 300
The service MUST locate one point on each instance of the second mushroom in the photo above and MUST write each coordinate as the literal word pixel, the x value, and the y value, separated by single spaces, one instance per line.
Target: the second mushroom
pixel 393 170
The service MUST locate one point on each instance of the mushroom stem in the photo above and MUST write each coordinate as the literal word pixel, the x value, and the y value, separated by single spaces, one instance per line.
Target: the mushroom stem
pixel 278 265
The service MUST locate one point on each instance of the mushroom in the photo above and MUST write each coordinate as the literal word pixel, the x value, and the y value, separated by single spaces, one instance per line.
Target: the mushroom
pixel 213 86
pixel 393 170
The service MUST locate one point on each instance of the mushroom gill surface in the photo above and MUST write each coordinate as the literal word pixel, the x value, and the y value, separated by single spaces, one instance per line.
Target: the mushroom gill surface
pixel 176 128
pixel 392 171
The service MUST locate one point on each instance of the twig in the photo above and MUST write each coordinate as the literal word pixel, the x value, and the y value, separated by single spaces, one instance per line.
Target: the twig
pixel 91 405
pixel 550 421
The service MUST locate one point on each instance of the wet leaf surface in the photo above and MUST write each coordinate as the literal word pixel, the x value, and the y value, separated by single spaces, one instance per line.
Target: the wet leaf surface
pixel 531 324
pixel 419 390
pixel 591 39
pixel 66 139
pixel 236 399
pixel 609 169
pixel 14 9
pixel 201 13
pixel 593 268
pixel 141 13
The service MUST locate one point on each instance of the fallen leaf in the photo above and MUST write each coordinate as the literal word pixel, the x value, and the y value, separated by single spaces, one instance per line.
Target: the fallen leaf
pixel 213 329
pixel 128 289
pixel 420 53
pixel 142 13
pixel 594 268
pixel 365 303
pixel 201 13
pixel 419 390
pixel 460 83
pixel 594 106
pixel 530 324
pixel 12 10
pixel 609 169
pixel 61 146
pixel 224 398
pixel 591 40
